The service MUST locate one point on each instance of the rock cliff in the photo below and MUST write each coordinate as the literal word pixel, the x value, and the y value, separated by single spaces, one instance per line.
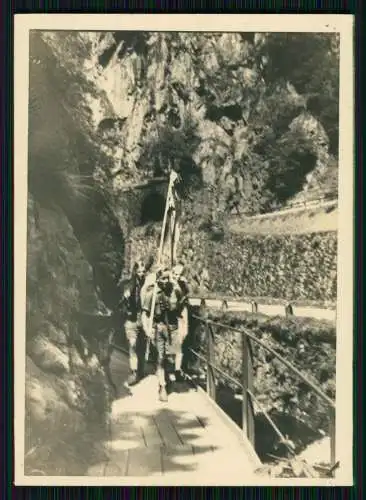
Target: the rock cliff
pixel 215 106
pixel 74 259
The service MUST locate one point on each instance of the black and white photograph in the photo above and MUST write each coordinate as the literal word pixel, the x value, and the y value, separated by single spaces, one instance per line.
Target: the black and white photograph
pixel 183 250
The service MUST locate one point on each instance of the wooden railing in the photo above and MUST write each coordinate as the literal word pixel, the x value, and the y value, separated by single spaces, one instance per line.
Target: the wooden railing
pixel 249 400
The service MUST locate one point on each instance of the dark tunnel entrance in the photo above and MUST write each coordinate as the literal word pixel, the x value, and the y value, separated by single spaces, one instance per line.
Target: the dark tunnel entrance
pixel 152 209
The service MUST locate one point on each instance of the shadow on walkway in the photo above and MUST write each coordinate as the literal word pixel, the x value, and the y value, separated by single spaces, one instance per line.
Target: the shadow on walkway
pixel 149 443
pixel 149 438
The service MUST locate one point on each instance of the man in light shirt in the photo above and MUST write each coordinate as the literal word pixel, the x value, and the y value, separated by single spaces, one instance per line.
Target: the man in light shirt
pixel 164 333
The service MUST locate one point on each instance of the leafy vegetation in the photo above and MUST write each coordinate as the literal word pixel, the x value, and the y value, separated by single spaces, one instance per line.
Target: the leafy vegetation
pixel 320 59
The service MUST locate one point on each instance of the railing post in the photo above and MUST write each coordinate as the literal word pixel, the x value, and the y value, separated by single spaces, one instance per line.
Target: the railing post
pixel 210 375
pixel 332 434
pixel 203 309
pixel 247 383
pixel 289 311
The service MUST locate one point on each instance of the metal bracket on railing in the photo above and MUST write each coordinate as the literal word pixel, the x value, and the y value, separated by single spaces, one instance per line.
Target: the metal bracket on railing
pixel 254 307
pixel 211 383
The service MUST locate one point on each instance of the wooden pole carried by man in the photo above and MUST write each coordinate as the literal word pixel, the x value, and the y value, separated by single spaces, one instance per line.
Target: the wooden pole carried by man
pixel 170 212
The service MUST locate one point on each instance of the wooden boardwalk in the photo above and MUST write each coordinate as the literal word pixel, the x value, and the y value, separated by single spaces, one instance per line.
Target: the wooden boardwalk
pixel 183 441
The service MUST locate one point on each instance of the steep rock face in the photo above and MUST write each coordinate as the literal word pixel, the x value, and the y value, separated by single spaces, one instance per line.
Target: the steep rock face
pixel 109 109
pixel 74 260
pixel 66 391
pixel 205 103
pixel 64 152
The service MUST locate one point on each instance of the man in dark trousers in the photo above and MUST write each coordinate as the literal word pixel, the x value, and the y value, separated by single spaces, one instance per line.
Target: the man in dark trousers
pixel 133 327
pixel 164 334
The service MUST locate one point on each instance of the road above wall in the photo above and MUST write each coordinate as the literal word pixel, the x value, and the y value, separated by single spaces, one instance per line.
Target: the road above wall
pixel 267 309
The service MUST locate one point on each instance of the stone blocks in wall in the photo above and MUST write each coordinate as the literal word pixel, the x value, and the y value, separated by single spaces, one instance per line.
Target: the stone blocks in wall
pixel 291 267
pixel 300 267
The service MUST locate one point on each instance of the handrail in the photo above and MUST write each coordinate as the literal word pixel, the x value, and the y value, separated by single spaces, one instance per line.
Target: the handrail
pixel 311 384
pixel 261 301
pixel 273 425
pixel 236 382
pixel 247 384
pixel 216 368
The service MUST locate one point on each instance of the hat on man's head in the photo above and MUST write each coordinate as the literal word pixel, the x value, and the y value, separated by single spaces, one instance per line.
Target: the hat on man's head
pixel 139 266
pixel 178 269
pixel 163 273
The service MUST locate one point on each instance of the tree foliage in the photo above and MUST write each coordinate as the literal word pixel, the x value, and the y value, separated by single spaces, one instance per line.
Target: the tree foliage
pixel 174 148
pixel 311 63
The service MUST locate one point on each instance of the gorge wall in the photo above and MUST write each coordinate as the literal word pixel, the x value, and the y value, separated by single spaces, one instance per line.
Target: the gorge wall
pixel 236 112
pixel 75 253
pixel 67 397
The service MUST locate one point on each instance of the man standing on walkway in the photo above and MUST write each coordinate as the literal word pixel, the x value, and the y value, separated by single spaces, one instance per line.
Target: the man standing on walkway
pixel 133 325
pixel 182 282
pixel 165 324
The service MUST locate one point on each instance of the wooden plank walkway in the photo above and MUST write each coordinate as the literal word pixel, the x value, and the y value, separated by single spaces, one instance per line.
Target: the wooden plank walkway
pixel 179 441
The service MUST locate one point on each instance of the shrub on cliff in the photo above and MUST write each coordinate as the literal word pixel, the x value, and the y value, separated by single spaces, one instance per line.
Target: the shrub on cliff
pixel 320 58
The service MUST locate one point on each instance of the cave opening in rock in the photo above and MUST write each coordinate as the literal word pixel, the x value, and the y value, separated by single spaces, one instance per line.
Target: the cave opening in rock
pixel 291 175
pixel 152 208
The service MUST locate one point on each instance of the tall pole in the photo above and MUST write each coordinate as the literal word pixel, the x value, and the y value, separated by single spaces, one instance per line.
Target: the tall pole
pixel 151 318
